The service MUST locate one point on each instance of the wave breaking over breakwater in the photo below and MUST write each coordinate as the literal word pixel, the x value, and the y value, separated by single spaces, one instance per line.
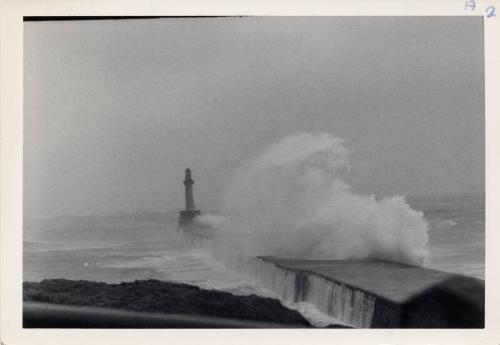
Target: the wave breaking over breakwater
pixel 292 201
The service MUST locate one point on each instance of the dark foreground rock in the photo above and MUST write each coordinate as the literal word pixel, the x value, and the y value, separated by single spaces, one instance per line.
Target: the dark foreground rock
pixel 161 297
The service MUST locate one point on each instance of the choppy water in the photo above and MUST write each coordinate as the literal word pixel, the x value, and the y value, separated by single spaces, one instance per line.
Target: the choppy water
pixel 456 234
pixel 148 245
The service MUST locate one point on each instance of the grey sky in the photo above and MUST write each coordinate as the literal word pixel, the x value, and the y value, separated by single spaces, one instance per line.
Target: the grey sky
pixel 115 110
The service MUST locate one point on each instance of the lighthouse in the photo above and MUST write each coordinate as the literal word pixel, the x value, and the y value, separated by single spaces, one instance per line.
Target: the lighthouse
pixel 186 216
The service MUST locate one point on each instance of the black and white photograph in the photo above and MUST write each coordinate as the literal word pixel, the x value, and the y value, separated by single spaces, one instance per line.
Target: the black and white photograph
pixel 253 172
pixel 221 171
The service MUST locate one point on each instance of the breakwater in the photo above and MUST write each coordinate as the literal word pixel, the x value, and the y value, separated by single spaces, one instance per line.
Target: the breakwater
pixel 378 294
pixel 363 293
pixel 349 305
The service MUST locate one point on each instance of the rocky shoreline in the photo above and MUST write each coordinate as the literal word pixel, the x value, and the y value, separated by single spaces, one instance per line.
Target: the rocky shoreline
pixel 154 296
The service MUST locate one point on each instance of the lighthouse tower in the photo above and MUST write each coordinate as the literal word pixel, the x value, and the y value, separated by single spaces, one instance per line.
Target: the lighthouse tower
pixel 186 216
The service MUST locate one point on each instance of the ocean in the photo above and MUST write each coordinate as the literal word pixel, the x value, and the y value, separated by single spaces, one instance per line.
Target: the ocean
pixel 149 245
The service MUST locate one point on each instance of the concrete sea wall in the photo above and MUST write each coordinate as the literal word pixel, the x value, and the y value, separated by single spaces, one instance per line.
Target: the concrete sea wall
pixel 352 306
pixel 363 293
pixel 401 297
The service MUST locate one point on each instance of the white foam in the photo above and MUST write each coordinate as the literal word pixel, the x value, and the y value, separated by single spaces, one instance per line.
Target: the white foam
pixel 292 200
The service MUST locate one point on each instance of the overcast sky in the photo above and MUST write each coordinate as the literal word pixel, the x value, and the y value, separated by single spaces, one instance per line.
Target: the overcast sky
pixel 115 110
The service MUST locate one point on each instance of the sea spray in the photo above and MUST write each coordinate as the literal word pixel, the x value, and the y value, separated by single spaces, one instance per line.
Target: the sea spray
pixel 271 281
pixel 292 201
